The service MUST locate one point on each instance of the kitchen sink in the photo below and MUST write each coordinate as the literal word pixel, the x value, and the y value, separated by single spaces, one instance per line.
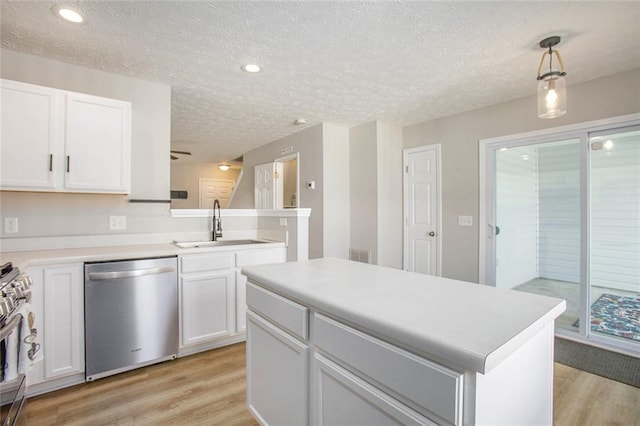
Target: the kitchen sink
pixel 222 243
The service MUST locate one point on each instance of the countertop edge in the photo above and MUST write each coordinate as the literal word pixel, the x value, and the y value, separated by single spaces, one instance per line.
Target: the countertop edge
pixel 431 348
pixel 35 258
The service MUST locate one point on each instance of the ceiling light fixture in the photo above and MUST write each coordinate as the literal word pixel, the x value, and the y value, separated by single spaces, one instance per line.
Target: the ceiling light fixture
pixel 552 93
pixel 68 14
pixel 251 68
pixel 300 122
pixel 224 167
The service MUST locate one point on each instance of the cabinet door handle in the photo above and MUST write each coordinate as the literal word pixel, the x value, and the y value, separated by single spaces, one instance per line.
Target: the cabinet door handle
pixel 50 162
pixel 68 163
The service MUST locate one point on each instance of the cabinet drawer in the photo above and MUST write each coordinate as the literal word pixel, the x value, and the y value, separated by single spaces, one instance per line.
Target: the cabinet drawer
pixel 427 387
pixel 259 257
pixel 341 398
pixel 283 312
pixel 206 262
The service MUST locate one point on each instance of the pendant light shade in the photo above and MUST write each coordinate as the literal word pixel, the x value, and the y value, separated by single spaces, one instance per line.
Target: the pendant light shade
pixel 552 92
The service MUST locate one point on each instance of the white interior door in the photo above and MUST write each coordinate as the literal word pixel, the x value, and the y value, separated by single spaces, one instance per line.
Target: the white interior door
pixel 264 190
pixel 215 189
pixel 422 210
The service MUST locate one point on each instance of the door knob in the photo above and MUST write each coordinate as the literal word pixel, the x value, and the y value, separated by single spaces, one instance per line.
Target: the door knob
pixel 432 234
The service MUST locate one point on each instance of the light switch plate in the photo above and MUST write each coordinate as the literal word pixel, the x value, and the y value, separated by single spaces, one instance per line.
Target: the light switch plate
pixel 465 220
pixel 117 223
pixel 10 225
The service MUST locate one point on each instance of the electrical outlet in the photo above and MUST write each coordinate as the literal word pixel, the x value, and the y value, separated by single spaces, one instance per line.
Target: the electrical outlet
pixel 465 220
pixel 117 223
pixel 10 225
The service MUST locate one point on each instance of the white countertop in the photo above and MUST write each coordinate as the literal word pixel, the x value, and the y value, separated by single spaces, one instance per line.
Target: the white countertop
pixel 470 325
pixel 24 259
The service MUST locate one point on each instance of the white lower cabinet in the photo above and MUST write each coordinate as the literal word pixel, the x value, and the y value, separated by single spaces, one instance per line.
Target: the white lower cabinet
pixel 210 313
pixel 306 368
pixel 58 304
pixel 278 372
pixel 207 296
pixel 213 293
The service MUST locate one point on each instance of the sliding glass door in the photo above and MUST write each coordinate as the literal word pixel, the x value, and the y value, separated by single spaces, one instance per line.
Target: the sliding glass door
pixel 537 212
pixel 614 256
pixel 560 216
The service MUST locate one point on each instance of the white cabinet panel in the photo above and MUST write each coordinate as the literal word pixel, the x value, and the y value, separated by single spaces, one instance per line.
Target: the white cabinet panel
pixel 63 339
pixel 241 302
pixel 277 374
pixel 261 256
pixel 206 262
pixel 283 312
pixel 31 130
pixel 97 143
pixel 339 397
pixel 246 258
pixel 207 307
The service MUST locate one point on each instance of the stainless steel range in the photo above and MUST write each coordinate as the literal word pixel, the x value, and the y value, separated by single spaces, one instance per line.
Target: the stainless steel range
pixel 18 343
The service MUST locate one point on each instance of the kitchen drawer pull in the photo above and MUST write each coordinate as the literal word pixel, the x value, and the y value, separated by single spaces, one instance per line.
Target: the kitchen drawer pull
pixel 50 162
pixel 68 163
pixel 101 276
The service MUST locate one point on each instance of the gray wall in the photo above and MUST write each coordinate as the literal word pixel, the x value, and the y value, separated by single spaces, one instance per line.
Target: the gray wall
pixel 363 185
pixel 308 143
pixel 186 177
pixel 376 191
pixel 389 184
pixel 336 204
pixel 459 134
pixel 324 158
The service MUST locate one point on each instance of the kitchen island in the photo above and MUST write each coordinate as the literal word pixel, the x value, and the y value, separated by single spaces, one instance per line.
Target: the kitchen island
pixel 330 341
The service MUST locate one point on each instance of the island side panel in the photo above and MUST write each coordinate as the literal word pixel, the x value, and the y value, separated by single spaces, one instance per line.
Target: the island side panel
pixel 519 391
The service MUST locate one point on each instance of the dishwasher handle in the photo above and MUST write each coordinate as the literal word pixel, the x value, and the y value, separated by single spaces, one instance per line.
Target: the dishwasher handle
pixel 102 276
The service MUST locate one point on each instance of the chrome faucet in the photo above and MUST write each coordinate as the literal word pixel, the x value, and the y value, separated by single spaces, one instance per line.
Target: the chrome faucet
pixel 217 222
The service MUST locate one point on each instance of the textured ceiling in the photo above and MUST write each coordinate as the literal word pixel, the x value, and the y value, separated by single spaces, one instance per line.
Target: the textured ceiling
pixel 342 62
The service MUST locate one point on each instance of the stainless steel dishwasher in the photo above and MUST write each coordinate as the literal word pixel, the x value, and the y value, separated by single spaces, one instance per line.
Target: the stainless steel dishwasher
pixel 131 314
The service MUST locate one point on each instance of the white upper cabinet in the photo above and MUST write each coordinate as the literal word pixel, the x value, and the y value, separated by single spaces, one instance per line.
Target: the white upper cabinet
pixel 55 140
pixel 97 143
pixel 31 130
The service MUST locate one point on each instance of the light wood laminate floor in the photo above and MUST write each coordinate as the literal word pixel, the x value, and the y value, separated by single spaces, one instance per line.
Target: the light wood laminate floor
pixel 210 389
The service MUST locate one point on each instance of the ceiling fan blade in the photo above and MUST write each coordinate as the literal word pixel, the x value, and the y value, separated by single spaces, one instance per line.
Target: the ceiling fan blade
pixel 181 152
pixel 173 157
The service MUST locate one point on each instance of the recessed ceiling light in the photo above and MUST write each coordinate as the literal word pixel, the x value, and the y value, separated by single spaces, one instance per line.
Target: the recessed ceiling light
pixel 67 14
pixel 251 68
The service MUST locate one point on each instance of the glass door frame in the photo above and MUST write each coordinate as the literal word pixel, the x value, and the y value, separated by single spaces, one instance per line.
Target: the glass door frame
pixel 486 220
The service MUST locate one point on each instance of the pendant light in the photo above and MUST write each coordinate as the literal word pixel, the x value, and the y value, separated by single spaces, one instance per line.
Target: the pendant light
pixel 552 93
